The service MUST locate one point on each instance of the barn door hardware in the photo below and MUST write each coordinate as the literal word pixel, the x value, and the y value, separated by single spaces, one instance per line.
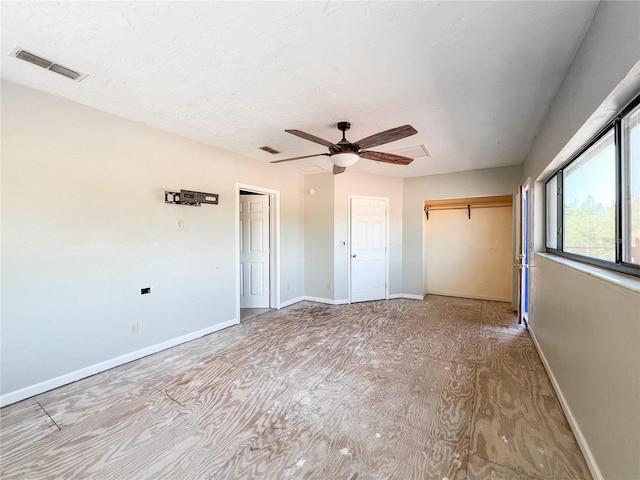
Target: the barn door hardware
pixel 426 210
pixel 188 197
pixel 469 211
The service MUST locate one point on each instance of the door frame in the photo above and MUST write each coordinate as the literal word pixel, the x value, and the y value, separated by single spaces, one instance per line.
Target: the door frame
pixel 274 243
pixel 386 240
pixel 524 253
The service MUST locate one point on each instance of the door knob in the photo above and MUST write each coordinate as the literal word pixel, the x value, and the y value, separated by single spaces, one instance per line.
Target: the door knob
pixel 354 255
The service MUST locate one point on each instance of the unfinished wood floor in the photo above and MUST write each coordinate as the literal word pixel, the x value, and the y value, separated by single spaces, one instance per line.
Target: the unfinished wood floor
pixel 438 389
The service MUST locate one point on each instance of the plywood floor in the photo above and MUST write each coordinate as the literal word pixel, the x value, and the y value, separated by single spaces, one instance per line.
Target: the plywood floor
pixel 402 389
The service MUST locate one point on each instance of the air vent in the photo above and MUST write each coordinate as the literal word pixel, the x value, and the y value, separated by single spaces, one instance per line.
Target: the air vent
pixel 47 64
pixel 31 58
pixel 72 74
pixel 270 150
pixel 311 169
pixel 415 151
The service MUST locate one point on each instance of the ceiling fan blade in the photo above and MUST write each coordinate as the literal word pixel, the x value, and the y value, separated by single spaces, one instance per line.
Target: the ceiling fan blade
pixel 337 169
pixel 385 157
pixel 311 138
pixel 386 136
pixel 304 156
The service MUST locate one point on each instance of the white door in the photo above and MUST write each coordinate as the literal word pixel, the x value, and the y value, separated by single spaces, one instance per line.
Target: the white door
pixel 254 251
pixel 368 249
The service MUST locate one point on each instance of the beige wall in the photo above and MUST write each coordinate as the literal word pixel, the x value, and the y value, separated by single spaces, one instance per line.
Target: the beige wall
pixel 589 332
pixel 319 236
pixel 469 257
pixel 475 183
pixel 85 227
pixel 586 326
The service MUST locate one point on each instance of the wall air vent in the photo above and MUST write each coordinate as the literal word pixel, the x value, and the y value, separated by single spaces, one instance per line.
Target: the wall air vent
pixel 47 64
pixel 270 150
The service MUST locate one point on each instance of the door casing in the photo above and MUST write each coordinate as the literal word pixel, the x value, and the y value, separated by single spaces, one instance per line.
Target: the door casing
pixel 524 256
pixel 274 236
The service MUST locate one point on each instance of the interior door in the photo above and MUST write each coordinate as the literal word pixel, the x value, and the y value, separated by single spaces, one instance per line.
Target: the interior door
pixel 368 249
pixel 523 257
pixel 254 251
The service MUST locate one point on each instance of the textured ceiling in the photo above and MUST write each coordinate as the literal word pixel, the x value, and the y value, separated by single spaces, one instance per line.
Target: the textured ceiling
pixel 474 78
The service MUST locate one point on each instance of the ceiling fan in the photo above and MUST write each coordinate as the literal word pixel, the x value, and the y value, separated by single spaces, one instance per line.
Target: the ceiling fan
pixel 345 154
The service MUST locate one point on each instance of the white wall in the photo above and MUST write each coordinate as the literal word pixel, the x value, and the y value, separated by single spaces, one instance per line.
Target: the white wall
pixel 475 183
pixel 85 227
pixel 587 327
pixel 469 257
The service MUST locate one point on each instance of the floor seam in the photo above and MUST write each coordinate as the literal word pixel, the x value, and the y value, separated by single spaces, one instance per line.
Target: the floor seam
pixel 473 416
pixel 526 475
pixel 50 417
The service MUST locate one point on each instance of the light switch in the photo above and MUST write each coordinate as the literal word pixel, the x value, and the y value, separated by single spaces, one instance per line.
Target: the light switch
pixel 180 224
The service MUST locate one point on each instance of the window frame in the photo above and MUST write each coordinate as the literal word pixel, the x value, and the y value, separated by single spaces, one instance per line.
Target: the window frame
pixel 615 126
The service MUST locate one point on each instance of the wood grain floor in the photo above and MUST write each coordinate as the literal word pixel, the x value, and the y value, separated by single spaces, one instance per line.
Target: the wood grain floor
pixel 440 389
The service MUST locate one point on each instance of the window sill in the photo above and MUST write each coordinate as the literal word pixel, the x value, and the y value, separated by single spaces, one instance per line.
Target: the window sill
pixel 620 279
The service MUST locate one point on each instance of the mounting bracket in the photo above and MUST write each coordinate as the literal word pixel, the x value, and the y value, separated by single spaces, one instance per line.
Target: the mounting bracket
pixel 188 197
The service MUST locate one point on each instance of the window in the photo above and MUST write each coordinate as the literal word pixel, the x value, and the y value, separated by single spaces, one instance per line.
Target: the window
pixel 593 202
pixel 552 212
pixel 631 185
pixel 590 202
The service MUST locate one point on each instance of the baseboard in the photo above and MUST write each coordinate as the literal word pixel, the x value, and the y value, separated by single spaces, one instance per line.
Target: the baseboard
pixel 38 388
pixel 582 441
pixel 293 301
pixel 406 295
pixel 474 297
pixel 345 301
pixel 328 301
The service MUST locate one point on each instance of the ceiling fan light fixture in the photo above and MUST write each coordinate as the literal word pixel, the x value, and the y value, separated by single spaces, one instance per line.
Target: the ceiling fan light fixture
pixel 344 159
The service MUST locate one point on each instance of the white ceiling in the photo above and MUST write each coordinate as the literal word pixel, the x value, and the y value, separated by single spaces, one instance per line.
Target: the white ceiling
pixel 474 78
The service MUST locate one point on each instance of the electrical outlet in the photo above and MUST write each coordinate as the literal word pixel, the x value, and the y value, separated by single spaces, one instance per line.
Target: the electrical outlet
pixel 134 327
pixel 180 224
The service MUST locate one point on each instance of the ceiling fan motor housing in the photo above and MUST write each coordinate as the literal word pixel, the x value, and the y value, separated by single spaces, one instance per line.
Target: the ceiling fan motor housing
pixel 344 146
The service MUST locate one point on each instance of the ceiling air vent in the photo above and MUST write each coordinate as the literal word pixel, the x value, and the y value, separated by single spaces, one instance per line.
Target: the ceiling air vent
pixel 270 150
pixel 415 151
pixel 67 72
pixel 31 58
pixel 47 64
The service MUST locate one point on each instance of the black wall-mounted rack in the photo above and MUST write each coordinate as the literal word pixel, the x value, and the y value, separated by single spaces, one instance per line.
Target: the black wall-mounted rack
pixel 189 197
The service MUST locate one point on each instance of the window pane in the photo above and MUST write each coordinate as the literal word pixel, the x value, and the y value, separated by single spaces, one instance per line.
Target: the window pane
pixel 631 187
pixel 552 212
pixel 589 202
